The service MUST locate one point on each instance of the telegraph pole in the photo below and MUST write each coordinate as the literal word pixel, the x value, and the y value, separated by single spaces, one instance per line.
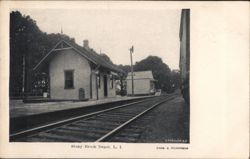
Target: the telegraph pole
pixel 132 70
pixel 23 73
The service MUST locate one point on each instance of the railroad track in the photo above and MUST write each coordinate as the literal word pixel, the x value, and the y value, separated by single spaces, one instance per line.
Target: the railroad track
pixel 118 124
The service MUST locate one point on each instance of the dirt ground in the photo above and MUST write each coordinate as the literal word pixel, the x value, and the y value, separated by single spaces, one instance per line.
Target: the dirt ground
pixel 170 123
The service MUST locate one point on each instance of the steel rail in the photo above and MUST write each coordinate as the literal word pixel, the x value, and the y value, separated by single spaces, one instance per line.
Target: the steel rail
pixel 112 132
pixel 28 132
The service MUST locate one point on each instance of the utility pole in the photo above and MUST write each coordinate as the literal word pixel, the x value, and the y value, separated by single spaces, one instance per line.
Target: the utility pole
pixel 132 70
pixel 25 77
pixel 23 73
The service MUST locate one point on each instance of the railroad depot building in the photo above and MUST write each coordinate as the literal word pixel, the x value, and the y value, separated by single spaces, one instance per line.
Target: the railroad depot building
pixel 78 73
pixel 144 83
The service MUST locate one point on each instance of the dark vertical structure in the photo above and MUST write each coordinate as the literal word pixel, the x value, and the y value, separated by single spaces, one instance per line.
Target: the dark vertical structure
pixel 90 84
pixel 97 86
pixel 185 52
pixel 105 82
pixel 132 69
pixel 26 75
pixel 185 68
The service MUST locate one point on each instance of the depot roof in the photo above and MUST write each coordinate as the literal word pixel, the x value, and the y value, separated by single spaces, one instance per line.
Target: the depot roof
pixel 89 54
pixel 141 75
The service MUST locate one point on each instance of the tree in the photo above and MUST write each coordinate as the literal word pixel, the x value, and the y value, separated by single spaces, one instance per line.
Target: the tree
pixel 125 68
pixel 22 32
pixel 175 79
pixel 106 58
pixel 28 44
pixel 160 70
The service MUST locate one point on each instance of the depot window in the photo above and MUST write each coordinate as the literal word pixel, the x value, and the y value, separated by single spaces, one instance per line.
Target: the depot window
pixel 69 79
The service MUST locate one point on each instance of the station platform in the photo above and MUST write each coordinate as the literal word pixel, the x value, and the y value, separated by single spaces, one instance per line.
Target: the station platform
pixel 18 108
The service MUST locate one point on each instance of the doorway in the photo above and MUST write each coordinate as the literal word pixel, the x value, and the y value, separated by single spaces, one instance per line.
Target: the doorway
pixel 105 82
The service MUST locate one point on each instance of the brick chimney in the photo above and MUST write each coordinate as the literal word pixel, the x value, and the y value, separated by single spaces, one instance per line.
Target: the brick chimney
pixel 86 44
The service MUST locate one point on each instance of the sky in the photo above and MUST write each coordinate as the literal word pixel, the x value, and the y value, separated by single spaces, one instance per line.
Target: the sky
pixel 114 31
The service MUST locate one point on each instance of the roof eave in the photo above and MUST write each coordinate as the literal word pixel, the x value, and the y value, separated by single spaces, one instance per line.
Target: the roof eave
pixel 45 57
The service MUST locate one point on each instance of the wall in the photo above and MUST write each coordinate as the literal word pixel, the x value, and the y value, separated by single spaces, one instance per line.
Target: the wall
pixel 141 86
pixel 111 92
pixel 93 77
pixel 69 60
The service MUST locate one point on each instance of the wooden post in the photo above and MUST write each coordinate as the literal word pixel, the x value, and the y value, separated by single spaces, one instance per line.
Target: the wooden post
pixel 23 82
pixel 97 86
pixel 132 72
pixel 90 87
pixel 26 78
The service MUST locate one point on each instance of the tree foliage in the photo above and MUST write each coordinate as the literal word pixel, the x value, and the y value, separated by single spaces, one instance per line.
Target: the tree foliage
pixel 125 68
pixel 28 44
pixel 160 70
pixel 175 79
pixel 106 57
pixel 167 80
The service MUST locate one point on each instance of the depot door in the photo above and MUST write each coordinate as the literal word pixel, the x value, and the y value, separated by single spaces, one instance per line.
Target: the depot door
pixel 105 82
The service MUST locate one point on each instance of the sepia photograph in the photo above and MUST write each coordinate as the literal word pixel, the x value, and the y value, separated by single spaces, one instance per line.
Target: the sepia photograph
pixel 99 75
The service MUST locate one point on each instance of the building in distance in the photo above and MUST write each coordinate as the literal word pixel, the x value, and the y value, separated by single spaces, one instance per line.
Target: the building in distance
pixel 144 83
